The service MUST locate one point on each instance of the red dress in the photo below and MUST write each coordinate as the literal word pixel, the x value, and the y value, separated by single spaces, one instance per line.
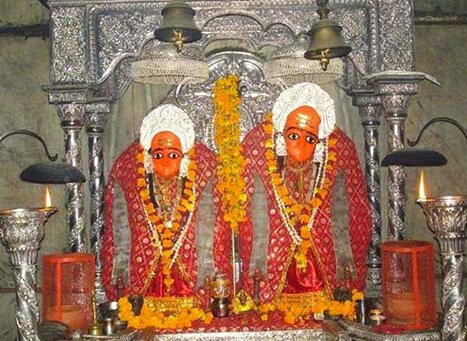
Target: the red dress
pixel 282 274
pixel 143 254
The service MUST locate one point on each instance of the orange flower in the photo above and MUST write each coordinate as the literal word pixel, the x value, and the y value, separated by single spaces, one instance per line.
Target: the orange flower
pixel 332 143
pixel 144 194
pixel 167 243
pixel 141 183
pixel 306 244
pixel 166 254
pixel 208 318
pixel 140 157
pixel 305 232
pixel 191 175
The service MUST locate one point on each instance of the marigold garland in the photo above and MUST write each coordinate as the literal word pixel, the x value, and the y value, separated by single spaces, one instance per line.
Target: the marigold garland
pixel 295 214
pixel 164 236
pixel 151 317
pixel 231 162
pixel 298 312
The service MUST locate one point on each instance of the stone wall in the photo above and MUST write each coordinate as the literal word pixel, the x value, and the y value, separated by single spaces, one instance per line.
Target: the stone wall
pixel 23 69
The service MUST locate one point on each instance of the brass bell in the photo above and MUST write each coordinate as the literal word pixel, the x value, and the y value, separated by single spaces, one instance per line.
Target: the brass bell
pixel 178 25
pixel 326 40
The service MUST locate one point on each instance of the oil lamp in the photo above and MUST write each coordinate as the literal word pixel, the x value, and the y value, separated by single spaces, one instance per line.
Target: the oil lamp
pixel 447 217
pixel 22 230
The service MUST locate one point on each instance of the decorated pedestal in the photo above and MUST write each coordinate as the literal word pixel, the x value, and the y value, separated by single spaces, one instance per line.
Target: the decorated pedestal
pixel 447 217
pixel 21 231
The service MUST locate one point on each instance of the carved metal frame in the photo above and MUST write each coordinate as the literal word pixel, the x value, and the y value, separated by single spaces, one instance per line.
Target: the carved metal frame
pixel 94 41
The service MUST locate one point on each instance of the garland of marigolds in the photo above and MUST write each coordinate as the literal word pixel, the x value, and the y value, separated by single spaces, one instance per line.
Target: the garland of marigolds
pixel 302 307
pixel 295 311
pixel 164 234
pixel 231 162
pixel 292 213
pixel 150 316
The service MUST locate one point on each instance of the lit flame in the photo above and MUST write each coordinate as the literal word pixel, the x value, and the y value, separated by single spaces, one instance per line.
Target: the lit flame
pixel 421 188
pixel 48 200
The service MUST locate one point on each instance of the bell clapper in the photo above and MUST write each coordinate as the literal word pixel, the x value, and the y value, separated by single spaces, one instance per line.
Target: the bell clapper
pixel 178 41
pixel 324 60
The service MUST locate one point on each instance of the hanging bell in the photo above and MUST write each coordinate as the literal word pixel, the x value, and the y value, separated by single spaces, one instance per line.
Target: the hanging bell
pixel 178 25
pixel 326 40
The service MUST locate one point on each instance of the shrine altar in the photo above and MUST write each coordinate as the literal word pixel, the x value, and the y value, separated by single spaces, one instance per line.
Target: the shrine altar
pixel 338 330
pixel 245 174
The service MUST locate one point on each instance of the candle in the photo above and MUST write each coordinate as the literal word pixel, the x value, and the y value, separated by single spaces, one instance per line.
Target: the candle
pixel 47 198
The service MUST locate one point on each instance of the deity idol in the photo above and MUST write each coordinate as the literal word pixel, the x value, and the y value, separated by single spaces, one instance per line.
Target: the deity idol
pixel 298 154
pixel 163 176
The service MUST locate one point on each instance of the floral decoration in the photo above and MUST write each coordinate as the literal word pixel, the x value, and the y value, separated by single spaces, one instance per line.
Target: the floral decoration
pixel 150 316
pixel 295 214
pixel 165 234
pixel 302 307
pixel 231 162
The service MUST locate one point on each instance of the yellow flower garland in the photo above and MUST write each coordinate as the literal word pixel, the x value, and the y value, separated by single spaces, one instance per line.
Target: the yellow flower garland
pixel 293 213
pixel 162 236
pixel 304 306
pixel 151 317
pixel 231 162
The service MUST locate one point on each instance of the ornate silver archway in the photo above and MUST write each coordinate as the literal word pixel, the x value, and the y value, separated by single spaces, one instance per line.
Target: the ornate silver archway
pixel 93 43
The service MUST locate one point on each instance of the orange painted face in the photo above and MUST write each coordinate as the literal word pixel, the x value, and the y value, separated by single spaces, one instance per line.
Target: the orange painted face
pixel 166 152
pixel 301 133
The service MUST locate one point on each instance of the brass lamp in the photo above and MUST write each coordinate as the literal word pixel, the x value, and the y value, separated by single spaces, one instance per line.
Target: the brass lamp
pixel 178 25
pixel 326 40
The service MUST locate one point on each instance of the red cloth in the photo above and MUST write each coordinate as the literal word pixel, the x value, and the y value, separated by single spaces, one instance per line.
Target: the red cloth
pixel 248 322
pixel 280 243
pixel 142 253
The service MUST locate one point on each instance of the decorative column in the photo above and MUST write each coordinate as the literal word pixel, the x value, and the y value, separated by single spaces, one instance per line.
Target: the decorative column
pixel 395 89
pixel 369 109
pixel 96 119
pixel 72 121
pixel 21 230
pixel 447 219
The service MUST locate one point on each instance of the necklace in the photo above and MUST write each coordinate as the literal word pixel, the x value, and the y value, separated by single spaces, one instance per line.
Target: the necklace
pixel 300 179
pixel 167 233
pixel 167 194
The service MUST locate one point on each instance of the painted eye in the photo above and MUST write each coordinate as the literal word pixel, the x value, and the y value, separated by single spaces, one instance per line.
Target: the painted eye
pixel 157 156
pixel 310 139
pixel 173 155
pixel 293 136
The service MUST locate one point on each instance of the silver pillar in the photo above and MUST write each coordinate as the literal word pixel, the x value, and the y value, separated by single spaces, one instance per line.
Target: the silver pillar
pixel 96 118
pixel 369 110
pixel 395 90
pixel 72 121
pixel 447 219
pixel 21 230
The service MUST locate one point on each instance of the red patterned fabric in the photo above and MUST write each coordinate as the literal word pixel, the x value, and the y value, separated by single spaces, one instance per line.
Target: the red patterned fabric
pixel 280 243
pixel 142 253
